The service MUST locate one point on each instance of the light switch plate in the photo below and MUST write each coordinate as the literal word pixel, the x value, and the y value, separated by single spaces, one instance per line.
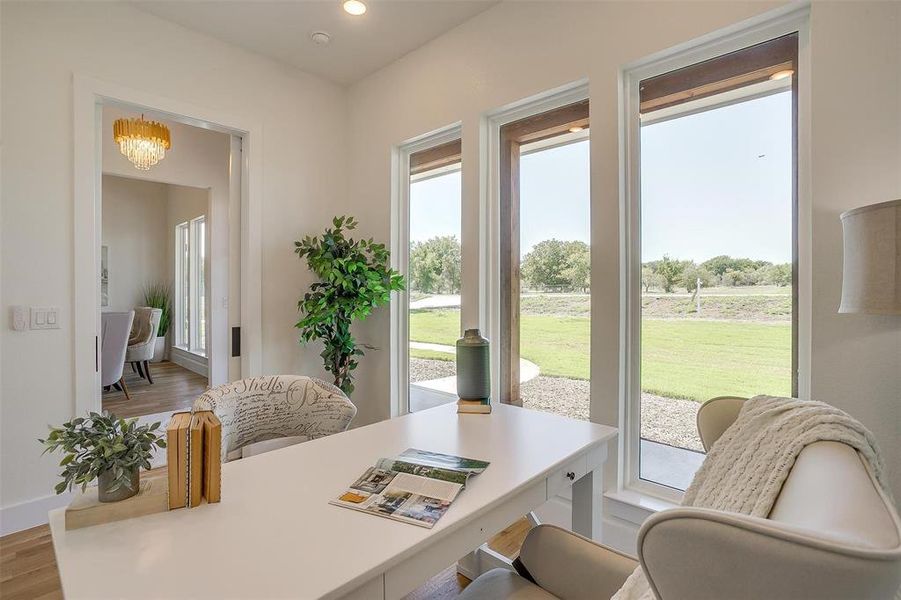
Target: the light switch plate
pixel 44 317
pixel 20 318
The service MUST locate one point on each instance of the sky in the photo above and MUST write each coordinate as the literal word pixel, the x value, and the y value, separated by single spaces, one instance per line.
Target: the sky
pixel 717 182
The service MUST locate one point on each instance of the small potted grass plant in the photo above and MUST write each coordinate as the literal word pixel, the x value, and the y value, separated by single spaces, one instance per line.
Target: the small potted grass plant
pixel 105 448
pixel 159 295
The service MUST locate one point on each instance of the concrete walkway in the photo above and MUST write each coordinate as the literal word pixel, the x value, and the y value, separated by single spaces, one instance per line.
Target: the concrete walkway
pixel 527 369
pixel 437 301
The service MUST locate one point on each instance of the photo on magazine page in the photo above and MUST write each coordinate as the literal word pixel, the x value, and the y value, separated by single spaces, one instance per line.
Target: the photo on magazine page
pixel 442 461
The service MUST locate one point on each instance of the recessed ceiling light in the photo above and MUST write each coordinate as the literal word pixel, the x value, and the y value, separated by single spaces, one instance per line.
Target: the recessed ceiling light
pixel 782 74
pixel 320 38
pixel 354 7
pixel 575 129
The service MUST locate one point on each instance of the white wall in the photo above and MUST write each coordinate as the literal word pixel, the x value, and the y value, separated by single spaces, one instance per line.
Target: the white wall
pixel 134 232
pixel 303 145
pixel 516 50
pixel 856 160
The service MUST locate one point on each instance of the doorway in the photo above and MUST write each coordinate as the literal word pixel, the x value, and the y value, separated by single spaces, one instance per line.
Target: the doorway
pixel 225 284
pixel 161 241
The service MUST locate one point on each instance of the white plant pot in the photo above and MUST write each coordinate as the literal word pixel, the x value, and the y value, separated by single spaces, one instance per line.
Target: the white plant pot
pixel 159 349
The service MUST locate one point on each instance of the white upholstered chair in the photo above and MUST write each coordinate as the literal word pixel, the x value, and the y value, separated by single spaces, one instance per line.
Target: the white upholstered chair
pixel 832 533
pixel 114 330
pixel 265 413
pixel 143 339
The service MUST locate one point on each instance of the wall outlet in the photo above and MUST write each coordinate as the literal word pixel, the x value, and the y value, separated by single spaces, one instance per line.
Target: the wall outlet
pixel 20 318
pixel 44 317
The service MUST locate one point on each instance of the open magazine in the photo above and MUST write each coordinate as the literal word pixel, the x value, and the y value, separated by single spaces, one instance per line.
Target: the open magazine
pixel 414 487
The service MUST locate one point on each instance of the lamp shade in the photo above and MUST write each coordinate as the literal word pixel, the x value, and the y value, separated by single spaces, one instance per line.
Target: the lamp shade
pixel 871 276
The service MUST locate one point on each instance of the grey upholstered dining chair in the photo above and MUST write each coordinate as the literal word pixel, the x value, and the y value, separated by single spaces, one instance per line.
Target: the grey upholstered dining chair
pixel 114 330
pixel 143 339
pixel 265 413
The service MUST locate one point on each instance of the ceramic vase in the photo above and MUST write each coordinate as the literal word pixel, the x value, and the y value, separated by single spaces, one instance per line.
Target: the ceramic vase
pixel 473 367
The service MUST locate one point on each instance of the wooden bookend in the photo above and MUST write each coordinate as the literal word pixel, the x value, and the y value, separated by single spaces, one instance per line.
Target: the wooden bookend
pixel 177 459
pixel 212 457
pixel 195 460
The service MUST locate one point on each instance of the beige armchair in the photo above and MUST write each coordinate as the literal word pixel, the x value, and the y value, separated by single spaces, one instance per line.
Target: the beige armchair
pixel 833 533
pixel 142 340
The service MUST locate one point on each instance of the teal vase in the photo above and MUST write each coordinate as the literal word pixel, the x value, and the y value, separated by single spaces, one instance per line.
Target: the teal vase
pixel 473 367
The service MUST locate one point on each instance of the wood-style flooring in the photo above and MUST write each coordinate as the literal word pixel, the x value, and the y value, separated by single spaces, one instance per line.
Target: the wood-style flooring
pixel 28 566
pixel 174 389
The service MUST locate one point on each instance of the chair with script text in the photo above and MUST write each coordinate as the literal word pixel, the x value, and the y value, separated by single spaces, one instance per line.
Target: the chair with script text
pixel 260 414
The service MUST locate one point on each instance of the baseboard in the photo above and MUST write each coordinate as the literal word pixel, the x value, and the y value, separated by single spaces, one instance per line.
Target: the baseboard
pixel 190 361
pixel 32 513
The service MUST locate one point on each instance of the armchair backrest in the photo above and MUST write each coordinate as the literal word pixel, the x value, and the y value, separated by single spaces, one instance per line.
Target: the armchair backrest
pixel 114 330
pixel 266 408
pixel 146 325
pixel 833 533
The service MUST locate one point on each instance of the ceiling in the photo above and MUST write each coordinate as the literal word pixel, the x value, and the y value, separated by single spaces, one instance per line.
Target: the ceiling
pixel 281 29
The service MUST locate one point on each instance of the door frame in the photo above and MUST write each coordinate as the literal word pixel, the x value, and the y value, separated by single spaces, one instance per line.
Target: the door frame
pixel 89 96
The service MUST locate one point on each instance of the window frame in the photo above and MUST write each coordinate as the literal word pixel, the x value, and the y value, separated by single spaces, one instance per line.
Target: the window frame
pixel 190 285
pixel 399 369
pixel 793 21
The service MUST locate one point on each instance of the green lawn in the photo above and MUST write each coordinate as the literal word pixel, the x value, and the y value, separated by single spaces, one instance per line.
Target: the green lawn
pixel 682 358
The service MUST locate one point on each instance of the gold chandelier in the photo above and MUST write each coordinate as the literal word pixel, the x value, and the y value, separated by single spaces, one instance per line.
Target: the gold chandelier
pixel 144 143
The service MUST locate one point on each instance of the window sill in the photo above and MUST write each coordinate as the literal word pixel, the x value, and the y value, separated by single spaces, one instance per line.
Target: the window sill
pixel 635 507
pixel 200 353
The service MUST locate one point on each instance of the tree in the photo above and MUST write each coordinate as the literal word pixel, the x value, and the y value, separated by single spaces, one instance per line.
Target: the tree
pixel 690 277
pixel 354 278
pixel 647 278
pixel 545 266
pixel 435 265
pixel 780 275
pixel 578 267
pixel 670 272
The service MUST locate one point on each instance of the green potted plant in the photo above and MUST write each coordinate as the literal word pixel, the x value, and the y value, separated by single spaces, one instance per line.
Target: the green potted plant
pixel 354 278
pixel 105 448
pixel 159 295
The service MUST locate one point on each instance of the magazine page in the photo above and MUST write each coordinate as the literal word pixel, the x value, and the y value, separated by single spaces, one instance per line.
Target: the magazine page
pixel 401 496
pixel 402 466
pixel 442 461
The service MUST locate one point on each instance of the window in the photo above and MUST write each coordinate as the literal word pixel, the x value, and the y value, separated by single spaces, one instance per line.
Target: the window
pixel 545 261
pixel 190 287
pixel 714 265
pixel 434 273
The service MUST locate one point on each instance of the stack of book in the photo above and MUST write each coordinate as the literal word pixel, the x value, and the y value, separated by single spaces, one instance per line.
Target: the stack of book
pixel 479 407
pixel 193 446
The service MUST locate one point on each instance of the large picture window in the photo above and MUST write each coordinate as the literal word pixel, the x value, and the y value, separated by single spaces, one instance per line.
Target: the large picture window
pixel 435 271
pixel 545 261
pixel 716 309
pixel 190 293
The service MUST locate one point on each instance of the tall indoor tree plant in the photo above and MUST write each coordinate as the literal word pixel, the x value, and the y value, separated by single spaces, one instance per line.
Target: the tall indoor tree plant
pixel 354 278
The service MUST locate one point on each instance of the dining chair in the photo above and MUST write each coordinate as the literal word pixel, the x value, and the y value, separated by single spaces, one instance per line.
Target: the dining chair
pixel 260 414
pixel 143 339
pixel 114 331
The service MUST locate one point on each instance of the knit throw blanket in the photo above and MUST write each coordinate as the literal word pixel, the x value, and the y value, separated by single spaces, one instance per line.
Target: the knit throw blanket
pixel 746 467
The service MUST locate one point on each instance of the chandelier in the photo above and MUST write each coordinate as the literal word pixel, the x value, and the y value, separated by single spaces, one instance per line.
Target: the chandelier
pixel 144 143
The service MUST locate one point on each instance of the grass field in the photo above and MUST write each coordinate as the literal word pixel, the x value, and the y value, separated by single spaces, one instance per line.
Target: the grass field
pixel 681 358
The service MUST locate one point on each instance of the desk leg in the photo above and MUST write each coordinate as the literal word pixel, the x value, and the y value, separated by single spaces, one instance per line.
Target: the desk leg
pixel 587 494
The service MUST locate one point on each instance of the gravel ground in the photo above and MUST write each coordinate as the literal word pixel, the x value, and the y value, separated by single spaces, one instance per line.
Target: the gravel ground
pixel 422 369
pixel 666 420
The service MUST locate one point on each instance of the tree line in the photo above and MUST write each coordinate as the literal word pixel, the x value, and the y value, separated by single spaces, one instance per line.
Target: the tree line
pixel 669 274
pixel 561 265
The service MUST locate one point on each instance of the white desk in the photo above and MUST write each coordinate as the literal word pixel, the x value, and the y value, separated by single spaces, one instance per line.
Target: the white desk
pixel 274 535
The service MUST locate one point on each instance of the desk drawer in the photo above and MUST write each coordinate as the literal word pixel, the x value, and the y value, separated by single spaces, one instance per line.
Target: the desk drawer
pixel 566 475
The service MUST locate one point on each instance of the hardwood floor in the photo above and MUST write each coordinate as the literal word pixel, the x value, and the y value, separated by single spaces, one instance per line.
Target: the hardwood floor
pixel 28 566
pixel 174 388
